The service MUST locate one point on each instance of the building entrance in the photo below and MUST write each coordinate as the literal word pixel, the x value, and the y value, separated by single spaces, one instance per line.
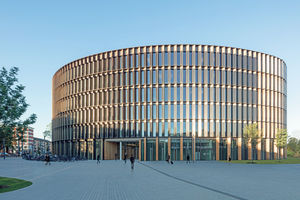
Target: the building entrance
pixel 130 148
pixel 205 149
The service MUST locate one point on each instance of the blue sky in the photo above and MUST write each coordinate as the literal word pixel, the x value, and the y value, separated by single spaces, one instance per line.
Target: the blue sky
pixel 39 37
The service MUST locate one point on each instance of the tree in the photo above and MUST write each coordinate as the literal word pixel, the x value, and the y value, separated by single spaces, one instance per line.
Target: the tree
pixel 281 139
pixel 47 134
pixel 252 135
pixel 12 106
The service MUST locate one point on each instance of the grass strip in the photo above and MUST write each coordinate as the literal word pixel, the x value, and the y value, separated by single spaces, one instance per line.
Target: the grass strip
pixel 269 162
pixel 13 184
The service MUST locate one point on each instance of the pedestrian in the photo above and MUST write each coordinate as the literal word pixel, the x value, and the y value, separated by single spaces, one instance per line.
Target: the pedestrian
pixel 187 158
pixel 229 159
pixel 132 161
pixel 116 156
pixel 125 157
pixel 47 159
pixel 168 159
pixel 98 159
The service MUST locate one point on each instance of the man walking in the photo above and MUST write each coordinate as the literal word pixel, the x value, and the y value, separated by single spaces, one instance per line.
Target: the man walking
pixel 125 157
pixel 168 159
pixel 98 159
pixel 132 161
pixel 47 159
pixel 187 158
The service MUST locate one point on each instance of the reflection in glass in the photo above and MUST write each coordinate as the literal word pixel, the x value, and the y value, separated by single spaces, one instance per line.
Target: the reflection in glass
pixel 166 58
pixel 178 128
pixel 172 76
pixel 154 59
pixel 160 76
pixel 154 76
pixel 166 111
pixel 148 60
pixel 184 93
pixel 166 93
pixel 142 77
pixel 166 76
pixel 154 112
pixel 160 129
pixel 154 94
pixel 172 93
pixel 166 129
pixel 148 94
pixel 184 58
pixel 172 58
pixel 172 111
pixel 142 95
pixel 172 129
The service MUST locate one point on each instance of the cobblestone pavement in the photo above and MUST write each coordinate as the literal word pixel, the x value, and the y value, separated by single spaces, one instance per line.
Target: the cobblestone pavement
pixel 151 180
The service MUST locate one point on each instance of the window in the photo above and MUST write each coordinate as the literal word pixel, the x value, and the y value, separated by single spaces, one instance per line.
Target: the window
pixel 178 75
pixel 160 76
pixel 160 59
pixel 136 60
pixel 142 60
pixel 184 58
pixel 160 111
pixel 154 59
pixel 142 95
pixel 154 112
pixel 166 76
pixel 136 77
pixel 172 76
pixel 178 58
pixel 178 111
pixel 184 75
pixel 142 77
pixel 148 60
pixel 190 58
pixel 154 76
pixel 148 77
pixel 166 58
pixel 166 94
pixel 172 58
pixel 184 93
pixel 178 94
pixel 166 111
pixel 154 94
pixel 160 94
pixel 148 94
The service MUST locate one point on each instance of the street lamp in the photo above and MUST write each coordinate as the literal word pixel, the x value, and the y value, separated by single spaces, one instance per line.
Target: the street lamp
pixel 4 148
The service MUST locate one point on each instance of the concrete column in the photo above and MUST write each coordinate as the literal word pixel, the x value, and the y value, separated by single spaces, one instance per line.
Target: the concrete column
pixel 145 149
pixel 240 148
pixel 140 150
pixel 120 150
pixel 259 151
pixel 157 149
pixel 228 148
pixel 217 148
pixel 267 149
pixel 181 148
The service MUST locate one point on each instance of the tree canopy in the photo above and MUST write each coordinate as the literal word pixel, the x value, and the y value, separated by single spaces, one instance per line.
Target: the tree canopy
pixel 12 106
pixel 252 135
pixel 281 139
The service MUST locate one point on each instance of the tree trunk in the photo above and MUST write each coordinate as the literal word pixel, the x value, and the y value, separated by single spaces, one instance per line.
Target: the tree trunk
pixel 252 154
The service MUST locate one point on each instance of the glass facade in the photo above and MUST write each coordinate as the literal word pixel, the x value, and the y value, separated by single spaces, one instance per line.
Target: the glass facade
pixel 164 93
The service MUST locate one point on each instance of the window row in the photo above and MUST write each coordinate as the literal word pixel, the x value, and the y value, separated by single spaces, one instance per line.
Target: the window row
pixel 172 112
pixel 200 128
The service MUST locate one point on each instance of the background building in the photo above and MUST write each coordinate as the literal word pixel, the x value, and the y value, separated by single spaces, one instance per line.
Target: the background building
pixel 152 101
pixel 40 146
pixel 26 146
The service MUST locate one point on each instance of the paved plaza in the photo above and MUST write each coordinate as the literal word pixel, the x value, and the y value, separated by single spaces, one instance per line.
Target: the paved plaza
pixel 151 180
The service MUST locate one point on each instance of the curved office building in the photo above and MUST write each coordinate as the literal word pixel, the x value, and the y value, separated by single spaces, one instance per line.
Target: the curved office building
pixel 151 101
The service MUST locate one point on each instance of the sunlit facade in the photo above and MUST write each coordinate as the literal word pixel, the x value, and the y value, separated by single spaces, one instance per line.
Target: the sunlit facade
pixel 152 101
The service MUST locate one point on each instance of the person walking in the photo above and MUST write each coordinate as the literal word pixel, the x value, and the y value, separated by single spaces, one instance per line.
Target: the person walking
pixel 229 159
pixel 47 159
pixel 116 156
pixel 168 159
pixel 98 159
pixel 132 161
pixel 187 158
pixel 125 157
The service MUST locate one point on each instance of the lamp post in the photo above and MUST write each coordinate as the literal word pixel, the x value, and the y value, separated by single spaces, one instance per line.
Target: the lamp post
pixel 4 148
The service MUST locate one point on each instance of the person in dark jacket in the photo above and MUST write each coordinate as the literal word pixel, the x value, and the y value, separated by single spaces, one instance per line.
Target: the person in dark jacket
pixel 229 159
pixel 132 161
pixel 47 159
pixel 187 158
pixel 98 159
pixel 125 157
pixel 168 159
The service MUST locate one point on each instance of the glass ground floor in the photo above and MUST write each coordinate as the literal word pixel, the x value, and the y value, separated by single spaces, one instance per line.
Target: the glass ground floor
pixel 157 149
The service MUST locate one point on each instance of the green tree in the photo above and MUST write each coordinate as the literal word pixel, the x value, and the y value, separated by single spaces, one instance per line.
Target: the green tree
pixel 47 134
pixel 293 144
pixel 281 139
pixel 252 135
pixel 12 106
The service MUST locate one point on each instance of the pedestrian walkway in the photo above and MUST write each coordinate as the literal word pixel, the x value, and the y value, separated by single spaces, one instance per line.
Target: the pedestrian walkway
pixel 151 180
